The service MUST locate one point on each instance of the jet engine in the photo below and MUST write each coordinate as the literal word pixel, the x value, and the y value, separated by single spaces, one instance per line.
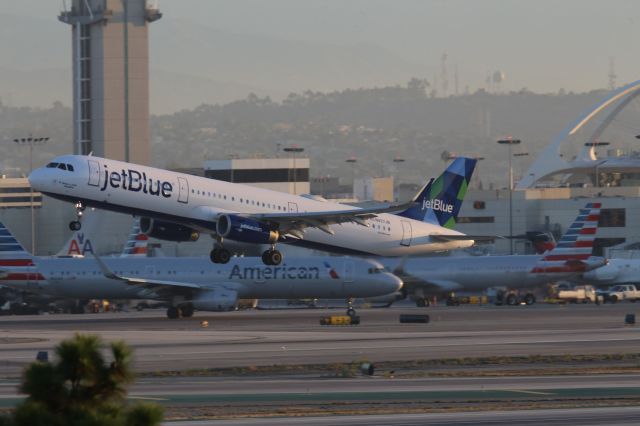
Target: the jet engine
pixel 217 300
pixel 167 231
pixel 245 230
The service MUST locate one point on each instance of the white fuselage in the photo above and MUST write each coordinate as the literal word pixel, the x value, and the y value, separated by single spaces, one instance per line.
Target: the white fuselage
pixel 197 202
pixel 616 271
pixel 477 272
pixel 302 277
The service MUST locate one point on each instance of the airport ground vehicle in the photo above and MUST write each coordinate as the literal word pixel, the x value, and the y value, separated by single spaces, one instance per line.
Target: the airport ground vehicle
pixel 621 292
pixel 578 294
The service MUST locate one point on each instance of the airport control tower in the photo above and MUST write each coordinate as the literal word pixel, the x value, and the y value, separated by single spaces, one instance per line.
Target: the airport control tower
pixel 111 76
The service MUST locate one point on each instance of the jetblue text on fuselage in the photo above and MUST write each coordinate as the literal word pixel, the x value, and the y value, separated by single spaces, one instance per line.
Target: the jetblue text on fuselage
pixel 134 181
pixel 437 204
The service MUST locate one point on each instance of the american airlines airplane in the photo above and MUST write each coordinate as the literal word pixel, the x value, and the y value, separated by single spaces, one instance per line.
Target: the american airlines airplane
pixel 616 271
pixel 571 257
pixel 191 283
pixel 175 206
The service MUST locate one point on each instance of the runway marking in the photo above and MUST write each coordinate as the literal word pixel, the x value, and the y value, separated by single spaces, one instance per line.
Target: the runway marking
pixel 529 392
pixel 149 398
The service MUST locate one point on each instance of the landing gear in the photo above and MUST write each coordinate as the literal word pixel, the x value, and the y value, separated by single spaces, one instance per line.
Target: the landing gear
pixel 220 255
pixel 422 302
pixel 350 309
pixel 272 257
pixel 76 225
pixel 173 312
pixel 187 310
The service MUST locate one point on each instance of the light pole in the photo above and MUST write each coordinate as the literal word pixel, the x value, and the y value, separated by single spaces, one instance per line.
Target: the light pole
pixel 398 161
pixel 31 142
pixel 295 149
pixel 352 160
pixel 510 142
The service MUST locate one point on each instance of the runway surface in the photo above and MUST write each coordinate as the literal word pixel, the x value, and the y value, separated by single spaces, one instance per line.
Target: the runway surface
pixel 258 338
pixel 589 416
pixel 292 337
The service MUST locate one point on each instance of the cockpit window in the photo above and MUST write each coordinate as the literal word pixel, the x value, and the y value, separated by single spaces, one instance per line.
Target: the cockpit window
pixel 52 165
pixel 69 167
pixel 376 270
pixel 62 166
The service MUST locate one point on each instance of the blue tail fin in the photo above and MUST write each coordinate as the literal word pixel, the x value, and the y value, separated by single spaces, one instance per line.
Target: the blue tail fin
pixel 10 247
pixel 440 200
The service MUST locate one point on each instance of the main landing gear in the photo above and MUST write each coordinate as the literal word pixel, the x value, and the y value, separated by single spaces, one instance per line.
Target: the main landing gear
pixel 75 225
pixel 220 255
pixel 272 256
pixel 184 310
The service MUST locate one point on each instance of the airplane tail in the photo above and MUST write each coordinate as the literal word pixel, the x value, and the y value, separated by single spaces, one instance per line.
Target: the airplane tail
pixel 137 242
pixel 440 200
pixel 16 264
pixel 11 251
pixel 575 246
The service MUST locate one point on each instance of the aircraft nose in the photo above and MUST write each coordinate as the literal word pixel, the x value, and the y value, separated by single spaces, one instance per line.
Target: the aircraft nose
pixel 38 179
pixel 390 283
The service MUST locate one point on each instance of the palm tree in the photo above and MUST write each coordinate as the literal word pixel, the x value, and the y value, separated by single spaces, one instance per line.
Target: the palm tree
pixel 82 388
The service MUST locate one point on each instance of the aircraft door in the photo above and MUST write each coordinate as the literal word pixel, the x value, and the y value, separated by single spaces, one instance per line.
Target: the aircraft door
pixel 94 172
pixel 406 233
pixel 293 208
pixel 183 190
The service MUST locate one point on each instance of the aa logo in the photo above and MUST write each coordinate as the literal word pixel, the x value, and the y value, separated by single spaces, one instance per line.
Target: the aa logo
pixel 79 246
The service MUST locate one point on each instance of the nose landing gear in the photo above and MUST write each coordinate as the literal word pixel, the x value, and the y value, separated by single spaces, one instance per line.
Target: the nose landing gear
pixel 76 225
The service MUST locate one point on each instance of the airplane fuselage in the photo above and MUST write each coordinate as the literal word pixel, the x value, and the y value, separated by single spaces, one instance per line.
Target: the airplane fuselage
pixel 302 277
pixel 197 202
pixel 481 272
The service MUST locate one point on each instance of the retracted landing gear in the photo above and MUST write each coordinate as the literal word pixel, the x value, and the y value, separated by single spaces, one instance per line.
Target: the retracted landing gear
pixel 75 225
pixel 219 254
pixel 272 256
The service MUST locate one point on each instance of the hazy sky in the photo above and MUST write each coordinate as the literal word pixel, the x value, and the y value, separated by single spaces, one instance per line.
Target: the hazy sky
pixel 539 44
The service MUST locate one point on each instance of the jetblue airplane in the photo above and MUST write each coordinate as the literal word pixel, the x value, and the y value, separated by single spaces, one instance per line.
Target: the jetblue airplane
pixel 175 206
pixel 190 284
pixel 570 258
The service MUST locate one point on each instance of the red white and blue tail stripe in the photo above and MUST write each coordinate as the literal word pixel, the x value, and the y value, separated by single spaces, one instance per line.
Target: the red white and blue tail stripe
pixel 16 264
pixel 575 246
pixel 137 242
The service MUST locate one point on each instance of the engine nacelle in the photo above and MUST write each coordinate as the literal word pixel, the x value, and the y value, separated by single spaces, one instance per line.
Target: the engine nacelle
pixel 245 230
pixel 387 299
pixel 217 300
pixel 167 231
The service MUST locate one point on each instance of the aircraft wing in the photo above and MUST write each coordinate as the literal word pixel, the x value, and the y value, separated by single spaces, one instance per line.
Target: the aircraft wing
pixel 151 284
pixel 428 284
pixel 321 220
pixel 464 237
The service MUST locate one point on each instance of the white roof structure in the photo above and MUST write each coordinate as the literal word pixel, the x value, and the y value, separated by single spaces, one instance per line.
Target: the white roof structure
pixel 550 161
